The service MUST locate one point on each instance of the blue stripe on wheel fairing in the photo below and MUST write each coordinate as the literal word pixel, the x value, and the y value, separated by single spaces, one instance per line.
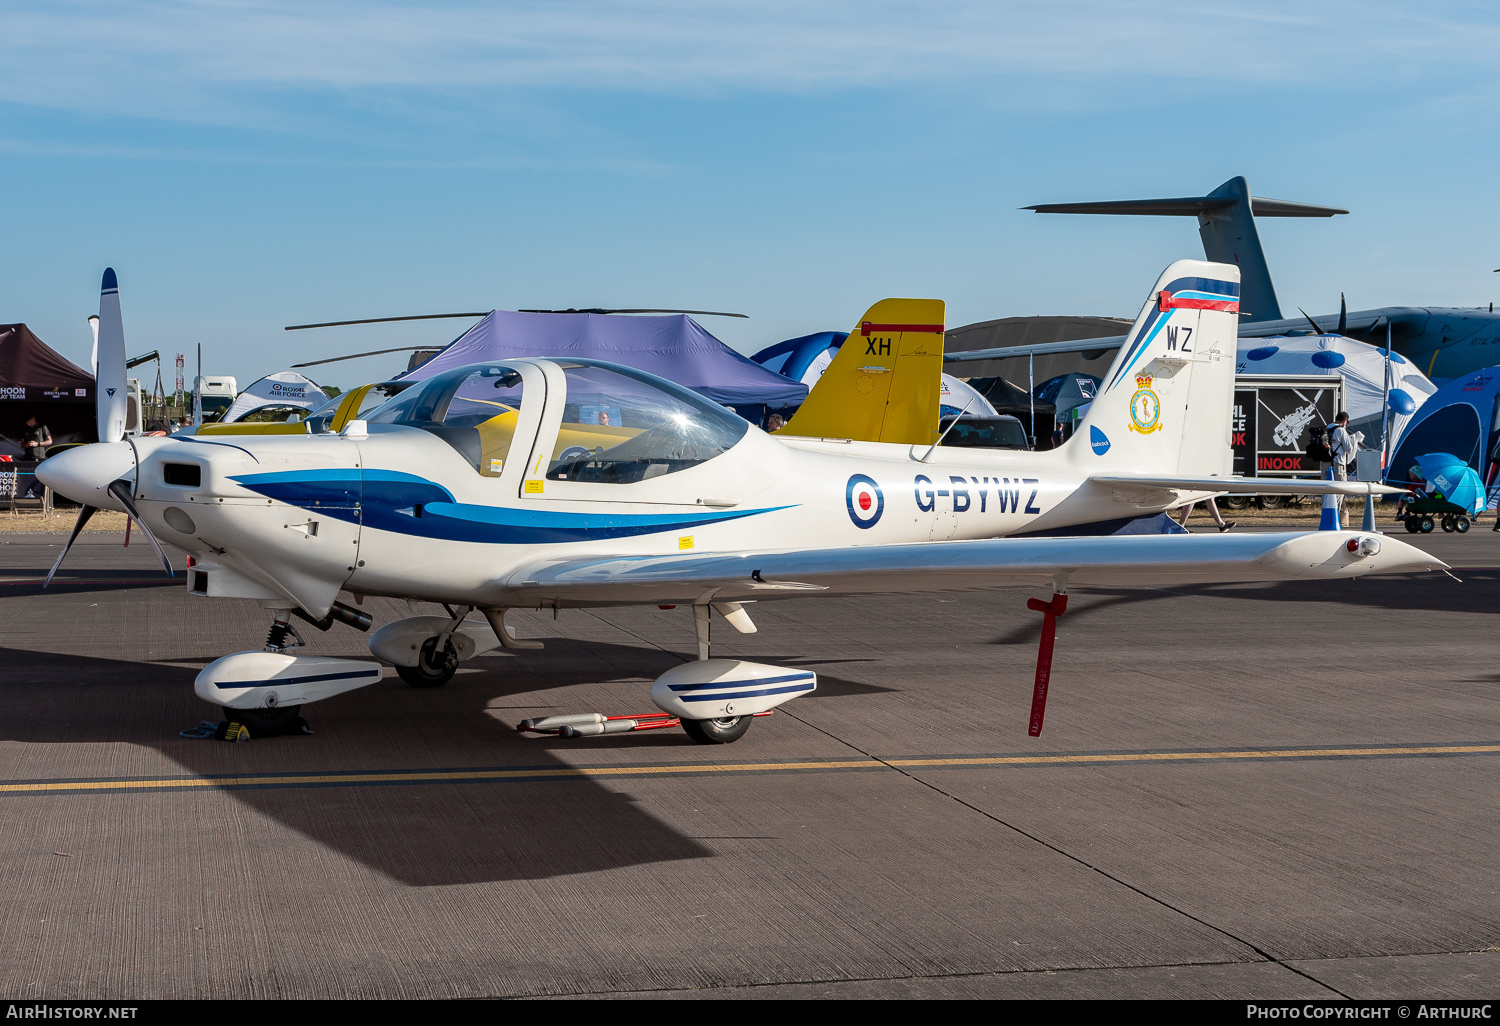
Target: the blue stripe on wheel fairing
pixel 721 697
pixel 374 671
pixel 741 683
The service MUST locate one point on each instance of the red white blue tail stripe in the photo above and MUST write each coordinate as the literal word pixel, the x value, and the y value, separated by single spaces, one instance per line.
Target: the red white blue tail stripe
pixel 1181 294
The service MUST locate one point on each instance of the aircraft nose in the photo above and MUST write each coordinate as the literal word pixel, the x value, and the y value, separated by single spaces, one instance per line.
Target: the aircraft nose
pixel 84 474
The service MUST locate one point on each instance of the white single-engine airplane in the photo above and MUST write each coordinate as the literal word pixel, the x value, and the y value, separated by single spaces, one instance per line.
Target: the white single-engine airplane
pixel 553 483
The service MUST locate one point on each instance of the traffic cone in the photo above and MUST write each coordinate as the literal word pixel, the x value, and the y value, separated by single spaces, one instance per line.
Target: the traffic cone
pixel 1329 521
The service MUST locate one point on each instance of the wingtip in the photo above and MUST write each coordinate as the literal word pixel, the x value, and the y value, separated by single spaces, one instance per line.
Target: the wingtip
pixel 110 283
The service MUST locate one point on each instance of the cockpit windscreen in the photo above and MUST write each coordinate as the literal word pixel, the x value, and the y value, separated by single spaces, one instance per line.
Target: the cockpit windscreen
pixel 621 425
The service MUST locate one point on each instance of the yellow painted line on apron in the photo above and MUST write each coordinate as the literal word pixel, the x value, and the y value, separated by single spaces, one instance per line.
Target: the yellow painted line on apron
pixel 679 769
pixel 1283 753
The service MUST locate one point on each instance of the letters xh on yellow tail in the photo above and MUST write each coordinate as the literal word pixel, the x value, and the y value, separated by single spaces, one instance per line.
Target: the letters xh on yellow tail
pixel 885 382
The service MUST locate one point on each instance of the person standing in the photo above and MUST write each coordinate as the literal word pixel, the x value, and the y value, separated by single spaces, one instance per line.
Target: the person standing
pixel 1344 446
pixel 36 438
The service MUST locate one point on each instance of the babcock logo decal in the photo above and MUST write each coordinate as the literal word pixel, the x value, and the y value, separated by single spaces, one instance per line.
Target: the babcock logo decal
pixel 865 500
pixel 1097 441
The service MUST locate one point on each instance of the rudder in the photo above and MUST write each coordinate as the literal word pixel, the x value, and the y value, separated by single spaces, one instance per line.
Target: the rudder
pixel 1165 404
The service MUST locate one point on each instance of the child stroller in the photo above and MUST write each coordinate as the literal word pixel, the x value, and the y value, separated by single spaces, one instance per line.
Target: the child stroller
pixel 1445 491
pixel 1424 512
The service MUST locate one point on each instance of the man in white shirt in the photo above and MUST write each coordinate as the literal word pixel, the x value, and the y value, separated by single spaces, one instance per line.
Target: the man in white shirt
pixel 1344 446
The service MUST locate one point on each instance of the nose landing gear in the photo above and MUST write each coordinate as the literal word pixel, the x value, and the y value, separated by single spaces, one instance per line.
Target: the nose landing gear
pixel 435 665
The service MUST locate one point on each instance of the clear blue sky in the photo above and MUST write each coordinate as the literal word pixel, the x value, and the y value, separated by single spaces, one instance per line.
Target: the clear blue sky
pixel 249 165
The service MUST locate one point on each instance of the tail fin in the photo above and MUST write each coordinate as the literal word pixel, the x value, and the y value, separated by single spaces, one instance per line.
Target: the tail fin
pixel 1165 404
pixel 885 383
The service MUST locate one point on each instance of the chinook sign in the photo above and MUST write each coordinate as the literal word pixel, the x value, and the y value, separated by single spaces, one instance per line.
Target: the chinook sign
pixel 490 487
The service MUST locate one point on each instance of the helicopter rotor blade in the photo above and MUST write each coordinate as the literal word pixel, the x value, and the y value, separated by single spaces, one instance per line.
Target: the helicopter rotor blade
pixel 1343 316
pixel 356 356
pixel 384 320
pixel 603 310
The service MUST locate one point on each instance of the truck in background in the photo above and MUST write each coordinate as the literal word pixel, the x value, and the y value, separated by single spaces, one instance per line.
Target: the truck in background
pixel 217 393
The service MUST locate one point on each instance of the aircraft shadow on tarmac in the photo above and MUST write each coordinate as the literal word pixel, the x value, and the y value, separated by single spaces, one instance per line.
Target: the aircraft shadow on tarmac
pixel 422 834
pixel 1431 592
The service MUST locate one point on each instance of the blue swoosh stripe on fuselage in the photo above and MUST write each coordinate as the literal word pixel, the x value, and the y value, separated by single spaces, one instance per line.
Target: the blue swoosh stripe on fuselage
pixel 337 494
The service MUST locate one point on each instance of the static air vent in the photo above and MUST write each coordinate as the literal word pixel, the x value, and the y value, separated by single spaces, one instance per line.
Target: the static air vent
pixel 184 475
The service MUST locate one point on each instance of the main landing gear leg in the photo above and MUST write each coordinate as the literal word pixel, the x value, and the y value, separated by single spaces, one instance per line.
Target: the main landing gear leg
pixel 1051 610
pixel 437 660
pixel 701 613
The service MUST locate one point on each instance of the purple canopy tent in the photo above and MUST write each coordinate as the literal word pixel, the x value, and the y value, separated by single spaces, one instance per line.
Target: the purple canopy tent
pixel 675 347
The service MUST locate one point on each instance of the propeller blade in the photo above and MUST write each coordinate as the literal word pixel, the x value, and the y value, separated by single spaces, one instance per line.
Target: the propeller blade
pixel 1343 315
pixel 1371 329
pixel 121 490
pixel 356 356
pixel 109 383
pixel 383 320
pixel 83 517
pixel 601 310
pixel 1316 330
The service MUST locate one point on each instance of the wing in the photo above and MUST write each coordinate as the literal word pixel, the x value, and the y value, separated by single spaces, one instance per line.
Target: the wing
pixel 1251 485
pixel 1153 561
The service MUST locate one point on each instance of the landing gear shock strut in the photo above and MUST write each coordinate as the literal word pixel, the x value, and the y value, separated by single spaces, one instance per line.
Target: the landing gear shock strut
pixel 1052 611
pixel 281 630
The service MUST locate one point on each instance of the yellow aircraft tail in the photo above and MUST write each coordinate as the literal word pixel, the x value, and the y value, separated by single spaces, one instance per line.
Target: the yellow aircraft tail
pixel 885 382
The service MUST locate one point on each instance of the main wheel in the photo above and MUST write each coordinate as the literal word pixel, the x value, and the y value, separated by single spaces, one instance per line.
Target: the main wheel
pixel 1447 525
pixel 434 668
pixel 1425 525
pixel 1411 525
pixel 263 722
pixel 717 732
pixel 1461 525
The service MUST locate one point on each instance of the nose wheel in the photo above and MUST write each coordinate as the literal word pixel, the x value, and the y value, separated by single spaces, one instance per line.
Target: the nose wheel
pixel 434 667
pixel 717 732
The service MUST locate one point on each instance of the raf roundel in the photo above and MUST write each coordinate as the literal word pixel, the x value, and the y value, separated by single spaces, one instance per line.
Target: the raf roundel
pixel 865 501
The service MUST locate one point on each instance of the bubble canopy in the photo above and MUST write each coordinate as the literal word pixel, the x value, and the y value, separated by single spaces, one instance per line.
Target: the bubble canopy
pixel 619 425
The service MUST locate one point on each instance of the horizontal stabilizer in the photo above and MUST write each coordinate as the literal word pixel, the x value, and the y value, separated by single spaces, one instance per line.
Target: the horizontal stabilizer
pixel 1226 223
pixel 1250 485
pixel 1109 562
pixel 1184 206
